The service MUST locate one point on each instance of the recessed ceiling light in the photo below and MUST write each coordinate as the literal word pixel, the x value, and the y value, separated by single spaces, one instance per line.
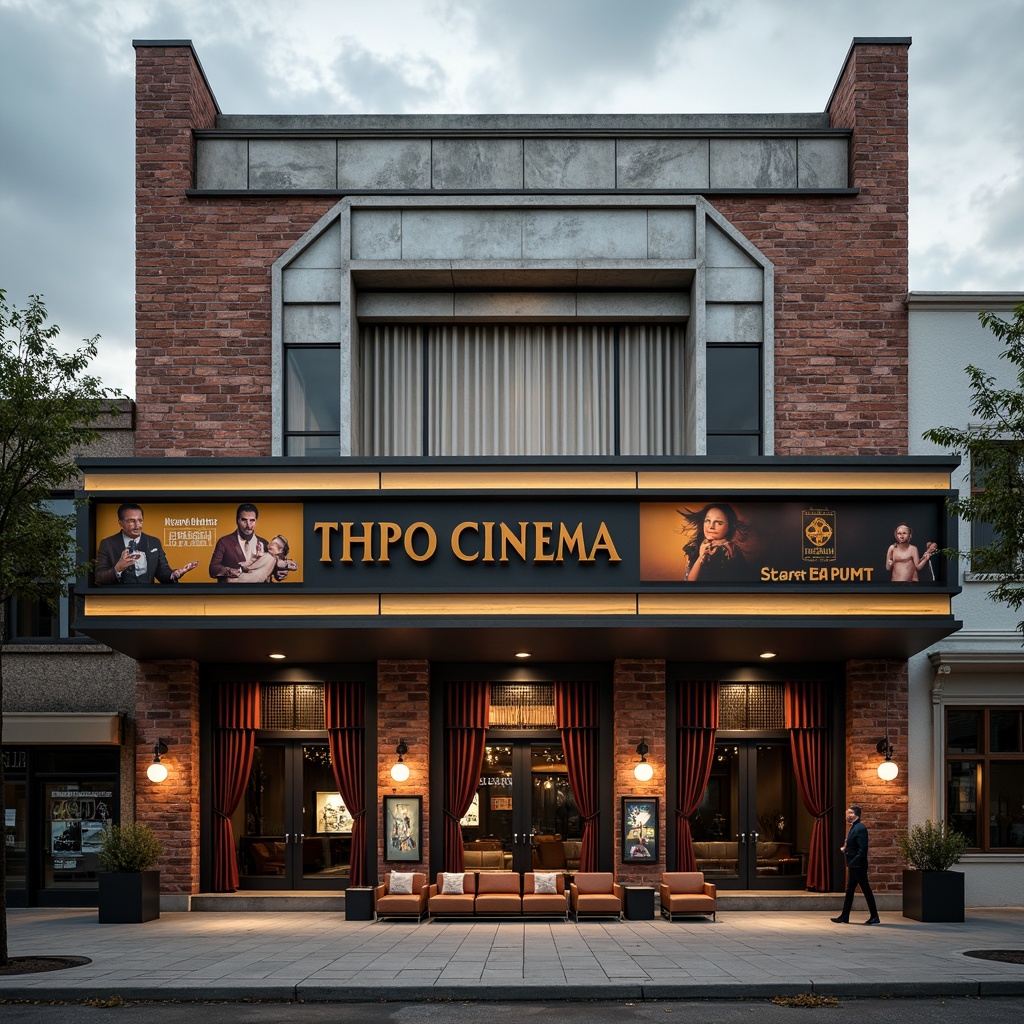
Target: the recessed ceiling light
pixel 523 654
pixel 278 657
pixel 767 654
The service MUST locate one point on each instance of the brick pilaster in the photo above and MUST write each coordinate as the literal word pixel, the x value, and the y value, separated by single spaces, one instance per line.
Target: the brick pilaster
pixel 884 804
pixel 167 694
pixel 639 701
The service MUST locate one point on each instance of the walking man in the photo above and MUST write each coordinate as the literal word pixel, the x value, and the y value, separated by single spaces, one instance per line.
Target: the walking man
pixel 856 851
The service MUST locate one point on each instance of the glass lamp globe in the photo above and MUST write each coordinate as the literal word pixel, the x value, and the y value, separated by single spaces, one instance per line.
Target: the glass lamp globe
pixel 157 772
pixel 399 771
pixel 644 771
pixel 888 770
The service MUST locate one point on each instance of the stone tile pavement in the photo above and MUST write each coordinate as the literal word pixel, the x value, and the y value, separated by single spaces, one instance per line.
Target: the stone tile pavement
pixel 321 956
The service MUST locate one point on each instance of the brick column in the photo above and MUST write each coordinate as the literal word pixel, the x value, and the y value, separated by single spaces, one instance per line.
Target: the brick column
pixel 884 804
pixel 639 701
pixel 167 696
pixel 403 713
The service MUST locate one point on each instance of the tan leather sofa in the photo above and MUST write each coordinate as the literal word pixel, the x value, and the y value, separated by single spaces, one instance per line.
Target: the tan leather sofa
pixel 720 858
pixel 544 903
pixel 686 892
pixel 389 904
pixel 595 894
pixel 441 903
pixel 498 893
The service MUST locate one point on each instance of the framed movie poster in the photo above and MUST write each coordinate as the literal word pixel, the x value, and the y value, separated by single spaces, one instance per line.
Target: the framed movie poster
pixel 402 819
pixel 640 829
pixel 331 814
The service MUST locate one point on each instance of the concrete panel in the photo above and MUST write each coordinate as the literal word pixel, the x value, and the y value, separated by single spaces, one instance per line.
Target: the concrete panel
pixel 478 163
pixel 633 305
pixel 823 163
pixel 384 163
pixel 671 234
pixel 395 306
pixel 466 234
pixel 311 285
pixel 753 163
pixel 311 324
pixel 524 278
pixel 293 163
pixel 324 252
pixel 585 233
pixel 723 251
pixel 735 322
pixel 222 163
pixel 662 163
pixel 569 163
pixel 505 305
pixel 376 234
pixel 732 284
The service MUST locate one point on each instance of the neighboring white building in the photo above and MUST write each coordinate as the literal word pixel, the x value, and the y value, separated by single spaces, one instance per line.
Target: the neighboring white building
pixel 973 681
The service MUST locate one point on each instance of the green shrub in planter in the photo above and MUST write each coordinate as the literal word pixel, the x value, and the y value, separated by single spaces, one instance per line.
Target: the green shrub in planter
pixel 125 849
pixel 931 846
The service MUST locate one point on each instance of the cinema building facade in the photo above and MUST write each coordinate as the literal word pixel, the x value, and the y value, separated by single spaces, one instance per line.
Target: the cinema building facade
pixel 587 442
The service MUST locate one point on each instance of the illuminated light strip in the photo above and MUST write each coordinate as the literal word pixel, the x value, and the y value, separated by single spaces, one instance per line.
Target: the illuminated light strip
pixel 177 482
pixel 697 604
pixel 229 605
pixel 804 605
pixel 904 478
pixel 520 481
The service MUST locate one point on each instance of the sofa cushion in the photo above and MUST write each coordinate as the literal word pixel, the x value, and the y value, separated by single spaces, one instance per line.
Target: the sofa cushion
pixel 594 882
pixel 545 884
pixel 400 884
pixel 452 883
pixel 504 882
pixel 680 882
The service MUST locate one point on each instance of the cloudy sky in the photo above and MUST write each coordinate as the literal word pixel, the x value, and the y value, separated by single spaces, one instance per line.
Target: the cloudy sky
pixel 67 107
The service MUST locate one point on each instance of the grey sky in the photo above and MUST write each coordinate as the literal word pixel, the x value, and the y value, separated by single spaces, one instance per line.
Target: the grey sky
pixel 67 110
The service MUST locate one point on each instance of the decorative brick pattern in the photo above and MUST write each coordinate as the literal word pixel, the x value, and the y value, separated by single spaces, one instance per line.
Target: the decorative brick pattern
pixel 639 702
pixel 168 708
pixel 883 804
pixel 403 713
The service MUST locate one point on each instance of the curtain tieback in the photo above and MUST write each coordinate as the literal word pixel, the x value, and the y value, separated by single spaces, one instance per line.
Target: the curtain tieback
pixel 588 818
pixel 823 815
pixel 221 814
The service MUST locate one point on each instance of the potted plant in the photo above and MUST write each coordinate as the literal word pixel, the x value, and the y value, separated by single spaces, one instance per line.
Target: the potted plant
pixel 129 887
pixel 931 892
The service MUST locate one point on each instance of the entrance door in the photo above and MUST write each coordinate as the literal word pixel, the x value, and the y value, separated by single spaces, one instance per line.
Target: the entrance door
pixel 752 830
pixel 292 828
pixel 524 816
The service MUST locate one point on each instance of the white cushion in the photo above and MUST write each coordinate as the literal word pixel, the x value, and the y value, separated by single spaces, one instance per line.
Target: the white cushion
pixel 545 885
pixel 400 884
pixel 451 884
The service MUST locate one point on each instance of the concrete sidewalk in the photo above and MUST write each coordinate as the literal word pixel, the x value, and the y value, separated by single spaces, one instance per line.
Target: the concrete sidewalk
pixel 322 957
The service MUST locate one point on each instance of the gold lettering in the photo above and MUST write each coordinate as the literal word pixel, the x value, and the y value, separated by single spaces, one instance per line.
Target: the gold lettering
pixel 517 543
pixel 348 538
pixel 457 542
pixel 410 535
pixel 569 542
pixel 541 540
pixel 389 533
pixel 488 542
pixel 325 539
pixel 604 542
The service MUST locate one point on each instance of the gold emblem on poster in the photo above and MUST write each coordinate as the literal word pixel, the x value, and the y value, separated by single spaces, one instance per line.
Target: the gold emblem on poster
pixel 819 530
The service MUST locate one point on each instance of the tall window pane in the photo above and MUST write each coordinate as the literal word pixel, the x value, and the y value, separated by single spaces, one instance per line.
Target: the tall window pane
pixel 312 399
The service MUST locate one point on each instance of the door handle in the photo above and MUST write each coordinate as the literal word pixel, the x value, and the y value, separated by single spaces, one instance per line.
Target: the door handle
pixel 299 836
pixel 741 836
pixel 755 836
pixel 287 837
pixel 515 838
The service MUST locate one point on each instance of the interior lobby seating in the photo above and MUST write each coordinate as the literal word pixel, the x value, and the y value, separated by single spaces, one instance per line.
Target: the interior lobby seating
pixel 721 858
pixel 686 892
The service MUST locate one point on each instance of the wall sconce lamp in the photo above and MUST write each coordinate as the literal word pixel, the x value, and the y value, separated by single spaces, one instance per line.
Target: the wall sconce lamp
pixel 157 771
pixel 888 769
pixel 400 770
pixel 644 770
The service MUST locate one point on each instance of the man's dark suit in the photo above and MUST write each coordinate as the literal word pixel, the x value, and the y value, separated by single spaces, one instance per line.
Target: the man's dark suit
pixel 228 554
pixel 110 551
pixel 856 853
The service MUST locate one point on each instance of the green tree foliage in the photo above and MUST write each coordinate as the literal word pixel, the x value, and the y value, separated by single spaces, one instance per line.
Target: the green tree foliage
pixel 994 451
pixel 49 407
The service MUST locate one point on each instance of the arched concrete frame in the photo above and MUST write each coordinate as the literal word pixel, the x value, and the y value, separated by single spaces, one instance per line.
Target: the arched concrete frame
pixel 570 258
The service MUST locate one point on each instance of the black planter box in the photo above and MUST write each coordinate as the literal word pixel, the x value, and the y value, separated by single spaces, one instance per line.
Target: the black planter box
pixel 129 898
pixel 933 895
pixel 359 903
pixel 638 902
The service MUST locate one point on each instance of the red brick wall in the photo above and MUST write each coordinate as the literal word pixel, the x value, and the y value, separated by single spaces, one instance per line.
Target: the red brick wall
pixel 167 695
pixel 883 804
pixel 403 713
pixel 203 323
pixel 639 702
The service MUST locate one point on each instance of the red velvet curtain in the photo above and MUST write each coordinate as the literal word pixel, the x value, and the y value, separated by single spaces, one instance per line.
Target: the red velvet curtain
pixel 696 724
pixel 344 717
pixel 234 739
pixel 807 722
pixel 576 716
pixel 467 712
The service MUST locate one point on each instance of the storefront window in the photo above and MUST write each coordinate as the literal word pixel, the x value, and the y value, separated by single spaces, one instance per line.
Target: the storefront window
pixel 76 816
pixel 985 794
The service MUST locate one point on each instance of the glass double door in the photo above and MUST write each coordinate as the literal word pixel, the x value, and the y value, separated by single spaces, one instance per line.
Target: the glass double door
pixel 752 830
pixel 524 813
pixel 291 826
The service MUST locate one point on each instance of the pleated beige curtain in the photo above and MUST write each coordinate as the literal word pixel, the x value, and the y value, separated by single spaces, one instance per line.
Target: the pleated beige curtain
pixel 527 389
